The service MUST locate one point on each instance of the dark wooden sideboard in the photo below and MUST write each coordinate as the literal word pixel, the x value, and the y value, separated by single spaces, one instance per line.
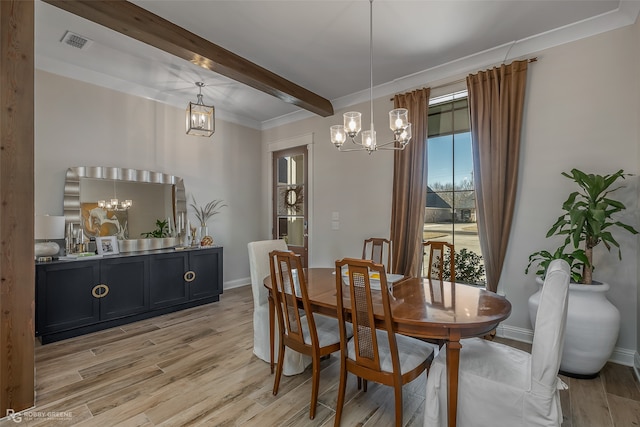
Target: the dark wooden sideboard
pixel 86 295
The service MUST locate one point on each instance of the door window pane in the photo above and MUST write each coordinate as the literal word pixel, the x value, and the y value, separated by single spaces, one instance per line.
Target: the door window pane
pixel 291 169
pixel 291 230
pixel 290 199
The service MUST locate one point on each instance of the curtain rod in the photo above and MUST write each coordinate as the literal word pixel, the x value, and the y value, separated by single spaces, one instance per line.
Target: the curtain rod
pixel 530 60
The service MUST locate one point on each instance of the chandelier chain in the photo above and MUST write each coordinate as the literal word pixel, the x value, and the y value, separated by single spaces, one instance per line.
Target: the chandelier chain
pixel 371 60
pixel 398 119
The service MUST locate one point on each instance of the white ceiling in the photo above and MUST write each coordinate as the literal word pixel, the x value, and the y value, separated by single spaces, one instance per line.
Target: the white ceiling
pixel 320 45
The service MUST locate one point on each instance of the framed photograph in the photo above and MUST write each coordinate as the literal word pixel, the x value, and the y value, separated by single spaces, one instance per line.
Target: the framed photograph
pixel 107 245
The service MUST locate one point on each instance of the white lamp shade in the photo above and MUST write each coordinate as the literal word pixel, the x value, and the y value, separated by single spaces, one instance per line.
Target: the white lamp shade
pixel 398 119
pixel 48 227
pixel 338 135
pixel 369 139
pixel 352 123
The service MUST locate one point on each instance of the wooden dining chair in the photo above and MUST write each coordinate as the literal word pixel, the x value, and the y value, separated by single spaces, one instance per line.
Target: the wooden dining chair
pixel 438 251
pixel 378 355
pixel 375 249
pixel 301 329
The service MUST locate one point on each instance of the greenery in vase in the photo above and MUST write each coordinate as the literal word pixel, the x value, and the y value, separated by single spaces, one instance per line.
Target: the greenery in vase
pixel 203 213
pixel 586 222
pixel 162 229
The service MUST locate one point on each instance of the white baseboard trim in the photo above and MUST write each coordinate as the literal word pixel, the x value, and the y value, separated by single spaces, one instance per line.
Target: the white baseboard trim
pixel 515 333
pixel 621 356
pixel 636 365
pixel 237 283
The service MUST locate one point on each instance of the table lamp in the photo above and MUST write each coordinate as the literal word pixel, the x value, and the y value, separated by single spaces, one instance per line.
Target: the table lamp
pixel 48 227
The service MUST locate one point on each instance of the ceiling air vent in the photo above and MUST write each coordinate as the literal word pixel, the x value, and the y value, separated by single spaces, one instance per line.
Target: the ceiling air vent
pixel 76 40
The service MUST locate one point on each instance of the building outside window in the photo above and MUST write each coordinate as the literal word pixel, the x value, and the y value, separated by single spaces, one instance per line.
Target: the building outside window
pixel 450 211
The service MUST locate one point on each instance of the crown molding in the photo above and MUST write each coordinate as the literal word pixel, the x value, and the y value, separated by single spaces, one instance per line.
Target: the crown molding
pixel 70 71
pixel 626 14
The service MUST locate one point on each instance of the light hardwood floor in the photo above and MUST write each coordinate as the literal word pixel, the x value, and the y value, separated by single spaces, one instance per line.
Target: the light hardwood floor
pixel 196 367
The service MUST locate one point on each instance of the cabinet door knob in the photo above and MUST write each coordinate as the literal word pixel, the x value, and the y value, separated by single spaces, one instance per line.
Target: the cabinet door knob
pixel 100 291
pixel 189 276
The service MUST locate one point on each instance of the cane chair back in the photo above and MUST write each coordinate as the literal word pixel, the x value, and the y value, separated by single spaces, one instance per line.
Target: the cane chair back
pixel 378 355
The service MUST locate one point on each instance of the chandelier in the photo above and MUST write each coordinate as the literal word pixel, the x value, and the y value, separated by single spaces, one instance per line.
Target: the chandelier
pixel 114 204
pixel 398 119
pixel 201 119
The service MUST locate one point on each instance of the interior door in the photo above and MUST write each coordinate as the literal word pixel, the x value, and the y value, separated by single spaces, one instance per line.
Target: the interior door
pixel 290 199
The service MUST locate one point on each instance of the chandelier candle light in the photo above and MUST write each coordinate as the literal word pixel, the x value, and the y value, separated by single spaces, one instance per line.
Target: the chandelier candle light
pixel 398 119
pixel 200 118
pixel 115 204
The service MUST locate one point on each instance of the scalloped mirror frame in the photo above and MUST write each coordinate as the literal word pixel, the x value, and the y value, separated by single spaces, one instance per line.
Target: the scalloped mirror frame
pixel 72 208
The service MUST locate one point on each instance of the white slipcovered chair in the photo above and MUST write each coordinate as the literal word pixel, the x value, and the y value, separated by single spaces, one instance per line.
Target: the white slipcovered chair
pixel 501 386
pixel 294 362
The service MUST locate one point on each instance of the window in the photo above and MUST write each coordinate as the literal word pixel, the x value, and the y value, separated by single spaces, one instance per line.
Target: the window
pixel 450 212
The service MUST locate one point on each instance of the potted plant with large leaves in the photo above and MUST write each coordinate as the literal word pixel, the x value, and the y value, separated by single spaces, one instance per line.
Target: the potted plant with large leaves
pixel 588 219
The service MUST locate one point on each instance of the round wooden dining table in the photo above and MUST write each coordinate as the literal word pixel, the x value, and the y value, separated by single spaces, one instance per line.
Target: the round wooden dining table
pixel 421 308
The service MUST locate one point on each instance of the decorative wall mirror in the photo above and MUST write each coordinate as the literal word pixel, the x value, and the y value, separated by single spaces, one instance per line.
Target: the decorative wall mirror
pixel 154 197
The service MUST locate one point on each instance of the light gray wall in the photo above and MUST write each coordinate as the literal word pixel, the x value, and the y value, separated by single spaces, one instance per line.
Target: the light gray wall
pixel 581 111
pixel 78 124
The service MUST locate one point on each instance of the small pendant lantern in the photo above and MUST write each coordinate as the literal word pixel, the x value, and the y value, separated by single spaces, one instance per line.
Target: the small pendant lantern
pixel 200 118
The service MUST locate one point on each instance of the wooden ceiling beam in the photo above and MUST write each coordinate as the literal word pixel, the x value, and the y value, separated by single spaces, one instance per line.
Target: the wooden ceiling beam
pixel 140 24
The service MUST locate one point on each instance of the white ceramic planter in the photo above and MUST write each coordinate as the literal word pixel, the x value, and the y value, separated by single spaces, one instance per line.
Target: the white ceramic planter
pixel 593 324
